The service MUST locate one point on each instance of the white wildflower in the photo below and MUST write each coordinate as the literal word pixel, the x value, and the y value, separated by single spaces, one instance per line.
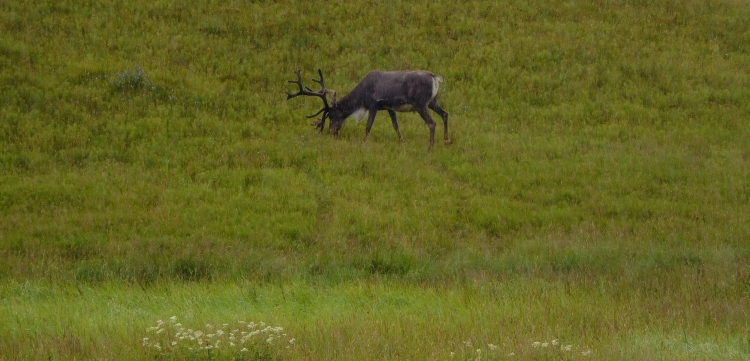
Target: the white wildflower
pixel 173 319
pixel 545 344
pixel 243 350
pixel 292 341
pixel 586 353
pixel 554 342
pixel 536 344
pixel 492 347
pixel 511 354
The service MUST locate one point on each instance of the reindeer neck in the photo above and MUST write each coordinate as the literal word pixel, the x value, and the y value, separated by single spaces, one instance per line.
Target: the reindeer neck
pixel 349 103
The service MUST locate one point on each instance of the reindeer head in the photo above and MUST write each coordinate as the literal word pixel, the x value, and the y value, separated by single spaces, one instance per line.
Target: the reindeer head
pixel 337 117
pixel 328 110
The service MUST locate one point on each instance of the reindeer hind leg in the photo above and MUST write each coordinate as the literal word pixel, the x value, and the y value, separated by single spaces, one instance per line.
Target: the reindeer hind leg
pixel 443 114
pixel 430 123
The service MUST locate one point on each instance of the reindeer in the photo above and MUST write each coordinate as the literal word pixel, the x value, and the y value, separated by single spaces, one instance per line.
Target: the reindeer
pixel 393 91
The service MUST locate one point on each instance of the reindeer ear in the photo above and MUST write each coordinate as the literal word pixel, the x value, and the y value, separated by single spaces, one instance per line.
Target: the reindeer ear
pixel 333 92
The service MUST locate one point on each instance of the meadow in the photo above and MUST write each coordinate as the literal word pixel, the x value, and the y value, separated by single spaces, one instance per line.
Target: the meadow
pixel 157 188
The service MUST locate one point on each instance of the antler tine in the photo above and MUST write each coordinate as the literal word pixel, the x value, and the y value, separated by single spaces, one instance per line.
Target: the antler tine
pixel 321 82
pixel 316 114
pixel 322 94
pixel 305 90
pixel 298 82
pixel 323 89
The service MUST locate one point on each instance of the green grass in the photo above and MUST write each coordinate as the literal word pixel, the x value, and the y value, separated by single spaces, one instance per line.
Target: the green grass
pixel 597 191
pixel 379 319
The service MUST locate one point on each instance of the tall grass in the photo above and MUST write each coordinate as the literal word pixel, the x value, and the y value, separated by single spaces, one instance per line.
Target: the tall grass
pixel 600 162
pixel 371 320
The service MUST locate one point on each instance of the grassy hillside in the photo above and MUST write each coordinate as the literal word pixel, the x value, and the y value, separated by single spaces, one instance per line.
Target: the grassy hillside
pixel 597 190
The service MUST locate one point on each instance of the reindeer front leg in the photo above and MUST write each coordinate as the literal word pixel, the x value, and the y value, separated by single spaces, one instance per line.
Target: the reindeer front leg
pixel 370 120
pixel 394 120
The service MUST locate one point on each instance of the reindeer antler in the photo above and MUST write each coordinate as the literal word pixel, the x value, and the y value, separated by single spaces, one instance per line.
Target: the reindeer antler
pixel 305 90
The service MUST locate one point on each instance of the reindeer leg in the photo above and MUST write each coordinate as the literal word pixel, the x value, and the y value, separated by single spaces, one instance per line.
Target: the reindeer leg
pixel 370 120
pixel 430 123
pixel 392 113
pixel 443 114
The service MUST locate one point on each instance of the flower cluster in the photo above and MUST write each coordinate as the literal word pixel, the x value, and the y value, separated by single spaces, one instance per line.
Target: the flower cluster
pixel 478 352
pixel 556 345
pixel 172 337
pixel 475 352
pixel 553 343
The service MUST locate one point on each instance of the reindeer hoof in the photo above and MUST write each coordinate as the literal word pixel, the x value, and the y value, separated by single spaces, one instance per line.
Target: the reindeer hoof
pixel 447 142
